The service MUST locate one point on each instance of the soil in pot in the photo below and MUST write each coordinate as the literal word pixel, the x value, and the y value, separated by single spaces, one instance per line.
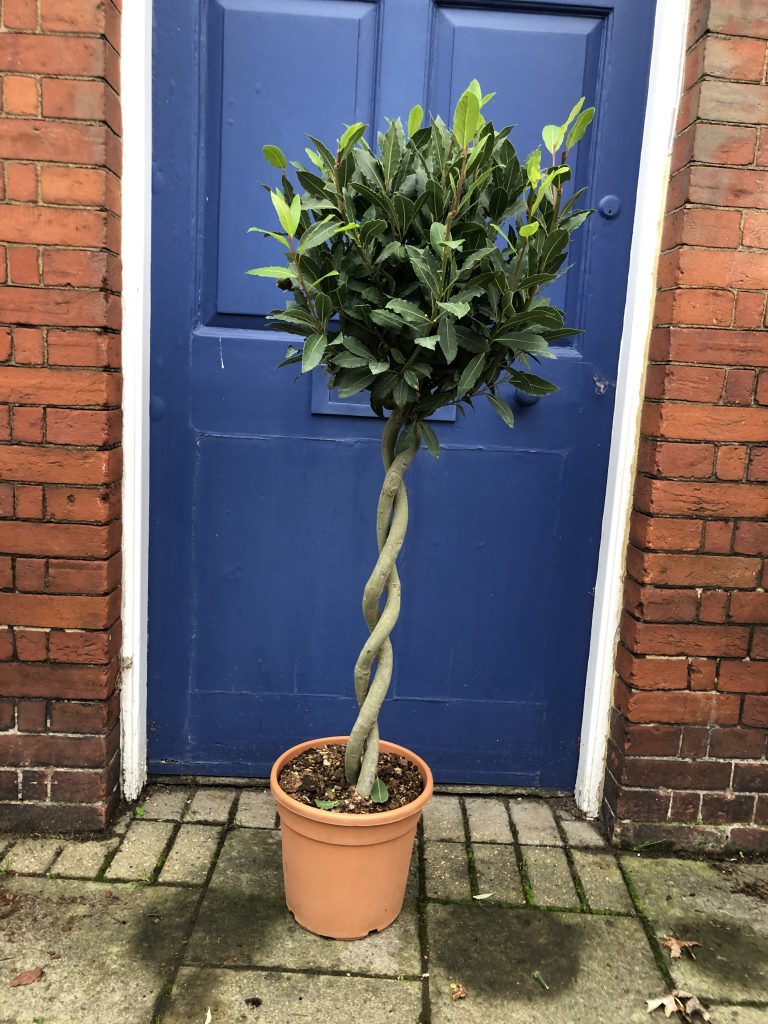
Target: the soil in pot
pixel 317 774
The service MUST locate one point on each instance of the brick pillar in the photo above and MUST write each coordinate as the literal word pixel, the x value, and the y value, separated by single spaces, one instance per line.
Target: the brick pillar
pixel 60 456
pixel 687 757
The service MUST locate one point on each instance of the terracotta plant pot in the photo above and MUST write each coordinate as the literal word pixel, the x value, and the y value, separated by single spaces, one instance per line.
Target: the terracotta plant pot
pixel 345 874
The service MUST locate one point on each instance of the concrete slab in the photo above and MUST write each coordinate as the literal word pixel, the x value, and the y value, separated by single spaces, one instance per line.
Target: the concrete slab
pixel 101 948
pixel 723 906
pixel 256 809
pixel 550 877
pixel 211 805
pixel 244 922
pixel 497 872
pixel 447 871
pixel 443 819
pixel 597 969
pixel 602 881
pixel 166 802
pixel 31 856
pixel 191 855
pixel 582 834
pixel 738 1014
pixel 488 820
pixel 535 823
pixel 83 859
pixel 142 848
pixel 275 998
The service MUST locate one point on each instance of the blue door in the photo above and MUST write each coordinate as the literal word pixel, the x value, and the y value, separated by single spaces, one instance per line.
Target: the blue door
pixel 263 491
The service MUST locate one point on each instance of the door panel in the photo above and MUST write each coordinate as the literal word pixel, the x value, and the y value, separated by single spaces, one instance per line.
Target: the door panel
pixel 264 491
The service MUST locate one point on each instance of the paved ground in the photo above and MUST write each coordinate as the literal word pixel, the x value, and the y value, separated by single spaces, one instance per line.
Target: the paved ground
pixel 181 911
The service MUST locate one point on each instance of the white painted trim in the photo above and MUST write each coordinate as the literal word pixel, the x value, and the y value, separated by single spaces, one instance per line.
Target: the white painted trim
pixel 666 71
pixel 136 99
pixel 663 98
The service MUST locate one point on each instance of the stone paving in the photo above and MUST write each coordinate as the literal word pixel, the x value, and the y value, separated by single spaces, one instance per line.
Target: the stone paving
pixel 180 911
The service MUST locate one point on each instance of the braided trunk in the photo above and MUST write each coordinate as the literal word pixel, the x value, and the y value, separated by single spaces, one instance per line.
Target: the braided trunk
pixel 362 755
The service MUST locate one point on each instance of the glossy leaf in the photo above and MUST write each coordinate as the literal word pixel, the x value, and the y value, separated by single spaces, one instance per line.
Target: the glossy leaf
pixel 469 377
pixel 502 409
pixel 275 156
pixel 415 119
pixel 314 347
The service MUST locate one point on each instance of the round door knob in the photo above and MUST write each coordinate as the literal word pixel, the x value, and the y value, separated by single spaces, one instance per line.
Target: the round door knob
pixel 609 207
pixel 523 398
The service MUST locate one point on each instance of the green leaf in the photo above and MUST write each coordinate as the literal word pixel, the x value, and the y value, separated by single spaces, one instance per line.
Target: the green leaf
pixel 502 409
pixel 270 234
pixel 292 355
pixel 371 228
pixel 408 310
pixel 331 273
pixel 275 156
pixel 314 158
pixel 352 344
pixel 351 362
pixel 326 805
pixel 415 119
pixel 533 167
pixel 522 341
pixel 377 367
pixel 576 133
pixel 472 371
pixel 321 231
pixel 428 342
pixel 430 439
pixel 278 272
pixel 529 230
pixel 314 349
pixel 386 318
pixel 351 135
pixel 446 336
pixel 285 213
pixel 531 384
pixel 405 440
pixel 576 109
pixel 553 135
pixel 457 309
pixel 403 394
pixel 391 154
pixel 354 381
pixel 466 116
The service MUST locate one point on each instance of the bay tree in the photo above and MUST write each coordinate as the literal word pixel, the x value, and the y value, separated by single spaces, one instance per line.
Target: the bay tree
pixel 417 273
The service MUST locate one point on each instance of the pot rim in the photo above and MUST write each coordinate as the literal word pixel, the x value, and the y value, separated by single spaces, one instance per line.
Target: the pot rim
pixel 350 820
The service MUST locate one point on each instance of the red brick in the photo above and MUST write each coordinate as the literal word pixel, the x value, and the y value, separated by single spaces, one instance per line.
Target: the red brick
pixel 80 786
pixel 685 807
pixel 681 639
pixel 751 538
pixel 758 464
pixel 737 18
pixel 67 611
pixel 731 187
pixel 83 348
pixel 83 427
pixel 746 607
pixel 85 648
pixel 20 14
pixel 59 540
pixel 653 740
pixel 7 715
pixel 48 386
pixel 57 465
pixel 755 711
pixel 750 307
pixel 761 157
pixel 685 708
pixel 51 681
pixel 59 751
pixel 74 16
pixel 735 58
pixel 739 387
pixel 74 100
pixel 660 605
pixel 42 55
pixel 57 142
pixel 83 577
pixel 737 743
pixel 62 306
pixel 755 233
pixel 718 536
pixel 23 264
pixel 79 186
pixel 692 570
pixel 759 648
pixel 694 742
pixel 21 96
pixel 684 383
pixel 31 715
pixel 81 504
pixel 731 462
pixel 659 458
pixel 21 182
pixel 29 502
pixel 720 809
pixel 96 719
pixel 712 606
pixel 5 344
pixel 676 774
pixel 743 677
pixel 6 644
pixel 652 673
pixel 30 575
pixel 26 423
pixel 45 225
pixel 79 269
pixel 737 102
pixel 701 307
pixel 750 778
pixel 665 534
pixel 672 497
pixel 693 226
pixel 28 347
pixel 691 422
pixel 703 674
pixel 6 572
pixel 728 348
pixel 31 644
pixel 5 435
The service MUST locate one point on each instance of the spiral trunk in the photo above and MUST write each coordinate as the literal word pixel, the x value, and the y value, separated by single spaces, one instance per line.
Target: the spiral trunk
pixel 362 754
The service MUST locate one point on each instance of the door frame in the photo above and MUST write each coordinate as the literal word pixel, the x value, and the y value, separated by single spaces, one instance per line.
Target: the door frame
pixel 667 59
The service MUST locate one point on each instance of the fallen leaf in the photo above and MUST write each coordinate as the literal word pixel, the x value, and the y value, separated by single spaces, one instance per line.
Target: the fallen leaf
pixel 483 896
pixel 27 977
pixel 457 991
pixel 676 946
pixel 540 978
pixel 208 1017
pixel 680 1002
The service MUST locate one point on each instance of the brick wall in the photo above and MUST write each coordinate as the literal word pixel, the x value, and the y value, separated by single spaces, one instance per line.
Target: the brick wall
pixel 687 757
pixel 59 412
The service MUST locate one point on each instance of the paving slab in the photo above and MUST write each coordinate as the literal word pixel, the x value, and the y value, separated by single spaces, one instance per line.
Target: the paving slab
pixel 738 1014
pixel 142 848
pixel 535 823
pixel 83 859
pixel 488 820
pixel 582 834
pixel 166 802
pixel 550 877
pixel 101 948
pixel 597 969
pixel 211 805
pixel 31 856
pixel 244 922
pixel 256 809
pixel 268 997
pixel 447 871
pixel 191 855
pixel 443 819
pixel 603 882
pixel 723 906
pixel 497 872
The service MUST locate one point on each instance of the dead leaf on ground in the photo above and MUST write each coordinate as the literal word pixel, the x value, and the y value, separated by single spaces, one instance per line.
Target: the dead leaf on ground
pixel 680 1002
pixel 27 977
pixel 676 947
pixel 457 991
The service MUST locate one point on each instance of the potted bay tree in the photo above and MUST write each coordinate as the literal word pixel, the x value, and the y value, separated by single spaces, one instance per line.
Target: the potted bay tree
pixel 415 273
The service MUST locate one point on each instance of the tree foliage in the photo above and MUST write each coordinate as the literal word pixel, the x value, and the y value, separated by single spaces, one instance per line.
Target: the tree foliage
pixel 417 269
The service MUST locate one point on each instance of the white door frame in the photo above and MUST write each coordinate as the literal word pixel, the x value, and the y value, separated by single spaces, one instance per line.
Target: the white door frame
pixel 661 112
